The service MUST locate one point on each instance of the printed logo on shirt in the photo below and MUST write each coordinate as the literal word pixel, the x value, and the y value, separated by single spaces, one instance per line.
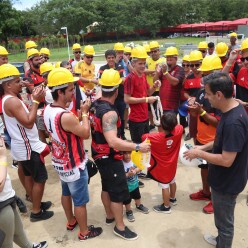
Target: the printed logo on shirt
pixel 242 79
pixel 169 143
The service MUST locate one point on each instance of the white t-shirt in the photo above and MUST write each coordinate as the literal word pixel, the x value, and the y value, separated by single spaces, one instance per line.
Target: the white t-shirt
pixel 8 191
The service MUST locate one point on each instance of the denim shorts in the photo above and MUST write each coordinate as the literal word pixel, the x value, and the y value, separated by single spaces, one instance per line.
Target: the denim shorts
pixel 78 189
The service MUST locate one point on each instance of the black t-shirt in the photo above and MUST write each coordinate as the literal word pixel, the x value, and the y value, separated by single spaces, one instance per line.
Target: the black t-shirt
pixel 120 69
pixel 231 136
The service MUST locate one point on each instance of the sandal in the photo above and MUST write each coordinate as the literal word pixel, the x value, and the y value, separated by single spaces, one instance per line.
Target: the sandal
pixel 71 227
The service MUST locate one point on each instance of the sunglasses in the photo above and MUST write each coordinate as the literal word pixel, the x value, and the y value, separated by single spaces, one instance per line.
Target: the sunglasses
pixel 155 51
pixel 243 59
pixel 127 54
pixel 47 58
pixel 185 65
pixel 89 57
pixel 202 51
pixel 77 52
pixel 195 65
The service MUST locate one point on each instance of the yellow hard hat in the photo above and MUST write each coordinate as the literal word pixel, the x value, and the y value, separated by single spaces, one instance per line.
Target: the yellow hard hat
pixel 244 44
pixel 32 53
pixel 110 77
pixel 77 68
pixel 8 72
pixel 233 34
pixel 127 49
pixel 30 44
pixel 186 58
pixel 147 47
pixel 59 78
pixel 57 65
pixel 76 46
pixel 171 51
pixel 195 56
pixel 45 50
pixel 153 44
pixel 3 51
pixel 89 50
pixel 118 46
pixel 46 67
pixel 221 49
pixel 216 63
pixel 203 45
pixel 139 52
pixel 206 64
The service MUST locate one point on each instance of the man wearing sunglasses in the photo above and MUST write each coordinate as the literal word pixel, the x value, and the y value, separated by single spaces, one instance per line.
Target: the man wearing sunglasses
pixel 44 54
pixel 240 77
pixel 151 64
pixel 87 69
pixel 76 49
pixel 203 48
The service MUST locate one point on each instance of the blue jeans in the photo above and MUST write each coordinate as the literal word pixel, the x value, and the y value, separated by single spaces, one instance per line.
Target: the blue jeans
pixel 224 205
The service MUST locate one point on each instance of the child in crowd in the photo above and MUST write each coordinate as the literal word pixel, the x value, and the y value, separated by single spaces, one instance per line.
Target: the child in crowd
pixel 165 148
pixel 133 187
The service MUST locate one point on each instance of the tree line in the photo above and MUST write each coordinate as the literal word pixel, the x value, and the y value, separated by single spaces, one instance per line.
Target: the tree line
pixel 48 16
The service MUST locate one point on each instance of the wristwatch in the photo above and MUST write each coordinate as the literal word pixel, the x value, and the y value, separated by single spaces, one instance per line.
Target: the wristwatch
pixel 137 147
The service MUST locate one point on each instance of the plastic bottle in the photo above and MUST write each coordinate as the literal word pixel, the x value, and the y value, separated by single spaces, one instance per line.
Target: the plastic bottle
pixel 146 157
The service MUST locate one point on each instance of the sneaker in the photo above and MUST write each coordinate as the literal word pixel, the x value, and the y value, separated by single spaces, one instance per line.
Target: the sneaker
pixel 210 239
pixel 208 209
pixel 173 201
pixel 127 234
pixel 141 175
pixel 14 164
pixel 92 233
pixel 42 244
pixel 71 227
pixel 45 205
pixel 109 221
pixel 162 209
pixel 142 209
pixel 187 137
pixel 21 205
pixel 42 215
pixel 200 196
pixel 130 216
pixel 151 127
pixel 141 185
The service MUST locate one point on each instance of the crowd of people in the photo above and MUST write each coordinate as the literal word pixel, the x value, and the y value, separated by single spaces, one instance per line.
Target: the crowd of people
pixel 54 108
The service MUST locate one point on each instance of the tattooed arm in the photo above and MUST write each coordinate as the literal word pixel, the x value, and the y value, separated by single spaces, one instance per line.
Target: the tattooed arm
pixel 109 126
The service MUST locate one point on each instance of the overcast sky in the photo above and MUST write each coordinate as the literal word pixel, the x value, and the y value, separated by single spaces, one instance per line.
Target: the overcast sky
pixel 25 4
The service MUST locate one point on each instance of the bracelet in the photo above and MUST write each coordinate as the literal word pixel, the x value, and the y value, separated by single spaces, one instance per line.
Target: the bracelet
pixel 228 63
pixel 203 113
pixel 146 99
pixel 166 73
pixel 3 163
pixel 84 115
pixel 34 101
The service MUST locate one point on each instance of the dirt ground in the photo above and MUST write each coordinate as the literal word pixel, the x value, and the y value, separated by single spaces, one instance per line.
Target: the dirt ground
pixel 183 228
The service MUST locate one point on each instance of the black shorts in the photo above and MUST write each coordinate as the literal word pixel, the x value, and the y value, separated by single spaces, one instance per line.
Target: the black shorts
pixel 156 93
pixel 35 168
pixel 137 129
pixel 202 166
pixel 114 179
pixel 135 194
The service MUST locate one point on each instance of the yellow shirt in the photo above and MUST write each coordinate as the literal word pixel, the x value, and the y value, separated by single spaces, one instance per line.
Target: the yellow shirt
pixel 88 71
pixel 151 65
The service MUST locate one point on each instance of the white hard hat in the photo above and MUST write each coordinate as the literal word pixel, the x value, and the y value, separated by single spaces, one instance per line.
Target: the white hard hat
pixel 187 162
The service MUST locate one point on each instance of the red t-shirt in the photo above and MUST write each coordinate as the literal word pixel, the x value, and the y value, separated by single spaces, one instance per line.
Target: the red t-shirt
pixel 164 151
pixel 137 87
pixel 192 84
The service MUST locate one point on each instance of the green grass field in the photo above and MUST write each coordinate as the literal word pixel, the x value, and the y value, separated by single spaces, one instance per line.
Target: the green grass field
pixel 59 54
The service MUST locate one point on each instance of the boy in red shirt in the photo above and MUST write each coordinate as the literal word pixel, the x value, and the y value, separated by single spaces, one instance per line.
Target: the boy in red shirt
pixel 165 148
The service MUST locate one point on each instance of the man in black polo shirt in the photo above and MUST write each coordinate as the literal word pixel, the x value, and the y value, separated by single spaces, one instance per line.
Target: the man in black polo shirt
pixel 110 56
pixel 228 164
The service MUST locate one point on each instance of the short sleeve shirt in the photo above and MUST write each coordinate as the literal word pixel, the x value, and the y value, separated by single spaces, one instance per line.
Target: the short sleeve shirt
pixel 231 136
pixel 136 86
